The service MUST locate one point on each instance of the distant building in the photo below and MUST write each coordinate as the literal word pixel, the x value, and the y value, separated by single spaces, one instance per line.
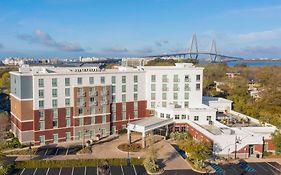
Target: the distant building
pixel 232 74
pixel 134 62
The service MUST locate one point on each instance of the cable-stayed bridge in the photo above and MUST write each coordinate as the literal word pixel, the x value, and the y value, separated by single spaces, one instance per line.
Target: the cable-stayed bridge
pixel 194 53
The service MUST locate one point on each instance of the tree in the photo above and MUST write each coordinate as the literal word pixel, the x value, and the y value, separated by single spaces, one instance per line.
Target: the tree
pixel 150 161
pixel 276 139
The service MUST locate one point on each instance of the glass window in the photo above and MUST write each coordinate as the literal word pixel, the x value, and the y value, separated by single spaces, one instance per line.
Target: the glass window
pixel 67 92
pixel 54 92
pixel 55 113
pixel 56 138
pixel 176 87
pixel 55 103
pixel 196 118
pixel 113 79
pixel 162 115
pixel 152 96
pixel 197 77
pixel 79 81
pixel 91 80
pixel 104 119
pixel 168 116
pixel 41 115
pixel 55 123
pixel 92 110
pixel 68 122
pixel 113 89
pixel 67 112
pixel 42 140
pixel 113 98
pixel 80 111
pixel 41 103
pixel 68 136
pixel 186 78
pixel 81 121
pixel 164 78
pixel 164 104
pixel 198 86
pixel 175 96
pixel 152 104
pixel 41 82
pixel 135 97
pixel 113 107
pixel 153 87
pixel 176 78
pixel 102 80
pixel 177 117
pixel 103 109
pixel 164 87
pixel 186 95
pixel 186 87
pixel 123 115
pixel 136 114
pixel 186 104
pixel 123 79
pixel 54 82
pixel 42 125
pixel 67 81
pixel 164 96
pixel 93 120
pixel 41 93
pixel 67 102
pixel 123 97
pixel 113 117
pixel 135 78
pixel 123 88
pixel 135 105
pixel 209 118
pixel 135 88
pixel 123 106
pixel 183 116
pixel 153 78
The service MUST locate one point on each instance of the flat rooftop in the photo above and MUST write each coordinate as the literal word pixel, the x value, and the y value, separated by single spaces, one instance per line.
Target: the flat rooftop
pixel 233 120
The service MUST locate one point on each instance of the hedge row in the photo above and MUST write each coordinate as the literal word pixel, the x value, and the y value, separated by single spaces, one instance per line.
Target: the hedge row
pixel 75 163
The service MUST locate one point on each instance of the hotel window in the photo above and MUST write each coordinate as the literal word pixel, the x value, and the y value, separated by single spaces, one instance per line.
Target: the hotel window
pixel 67 102
pixel 186 104
pixel 136 114
pixel 123 106
pixel 168 116
pixel 152 96
pixel 92 100
pixel 41 82
pixel 135 88
pixel 164 96
pixel 197 77
pixel 135 97
pixel 123 79
pixel 41 103
pixel 113 79
pixel 67 92
pixel 67 112
pixel 80 111
pixel 92 133
pixel 81 121
pixel 175 96
pixel 55 123
pixel 135 105
pixel 93 120
pixel 198 86
pixel 79 81
pixel 68 122
pixel 41 115
pixel 164 104
pixel 176 78
pixel 41 125
pixel 123 116
pixel 152 104
pixel 113 107
pixel 164 87
pixel 113 117
pixel 153 87
pixel 183 116
pixel 91 80
pixel 54 103
pixel 186 87
pixel 41 93
pixel 186 95
pixel 153 78
pixel 102 80
pixel 162 115
pixel 92 110
pixel 42 140
pixel 164 78
pixel 55 137
pixel 67 81
pixel 54 92
pixel 123 88
pixel 55 113
pixel 79 91
pixel 176 87
pixel 135 78
pixel 54 82
pixel 196 118
pixel 123 97
pixel 104 119
pixel 103 109
pixel 186 78
pixel 209 118
pixel 113 89
pixel 113 98
pixel 177 117
pixel 68 136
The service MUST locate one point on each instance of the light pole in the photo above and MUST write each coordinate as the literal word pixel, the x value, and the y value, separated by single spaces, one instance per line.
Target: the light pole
pixel 84 132
pixel 237 140
pixel 129 144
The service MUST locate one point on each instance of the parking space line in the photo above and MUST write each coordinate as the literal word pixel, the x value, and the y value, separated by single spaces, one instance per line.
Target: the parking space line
pixel 97 171
pixel 56 151
pixel 34 171
pixel 109 170
pixel 72 171
pixel 46 151
pixel 122 170
pixel 273 167
pixel 85 171
pixel 47 172
pixel 22 171
pixel 67 151
pixel 135 170
pixel 60 171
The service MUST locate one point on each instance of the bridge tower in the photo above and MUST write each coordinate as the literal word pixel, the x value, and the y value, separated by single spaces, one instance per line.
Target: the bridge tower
pixel 193 50
pixel 213 51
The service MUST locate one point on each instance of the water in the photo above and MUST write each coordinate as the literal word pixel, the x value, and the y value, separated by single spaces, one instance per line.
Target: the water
pixel 255 63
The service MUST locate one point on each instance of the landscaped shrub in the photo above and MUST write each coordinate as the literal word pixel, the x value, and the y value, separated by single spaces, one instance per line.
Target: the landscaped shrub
pixel 122 131
pixel 14 143
pixel 134 147
pixel 150 165
pixel 180 136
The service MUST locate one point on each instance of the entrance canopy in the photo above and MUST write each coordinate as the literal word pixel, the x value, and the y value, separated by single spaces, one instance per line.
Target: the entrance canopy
pixel 148 124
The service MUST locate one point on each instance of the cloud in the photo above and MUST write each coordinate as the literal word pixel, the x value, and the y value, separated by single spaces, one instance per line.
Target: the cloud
pixel 1 46
pixel 263 35
pixel 40 37
pixel 115 50
pixel 161 43
pixel 144 51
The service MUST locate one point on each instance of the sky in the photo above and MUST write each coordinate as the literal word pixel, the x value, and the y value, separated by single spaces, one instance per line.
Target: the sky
pixel 117 28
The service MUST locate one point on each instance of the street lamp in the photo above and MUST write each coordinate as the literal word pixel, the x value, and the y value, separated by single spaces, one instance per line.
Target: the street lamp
pixel 84 131
pixel 237 141
pixel 129 144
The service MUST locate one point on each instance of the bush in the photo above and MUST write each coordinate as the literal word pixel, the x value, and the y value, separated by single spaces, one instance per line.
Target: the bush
pixel 134 147
pixel 122 131
pixel 150 165
pixel 14 143
pixel 180 136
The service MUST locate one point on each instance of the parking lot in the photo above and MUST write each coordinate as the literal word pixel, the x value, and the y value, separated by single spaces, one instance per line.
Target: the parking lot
pixel 53 151
pixel 115 170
